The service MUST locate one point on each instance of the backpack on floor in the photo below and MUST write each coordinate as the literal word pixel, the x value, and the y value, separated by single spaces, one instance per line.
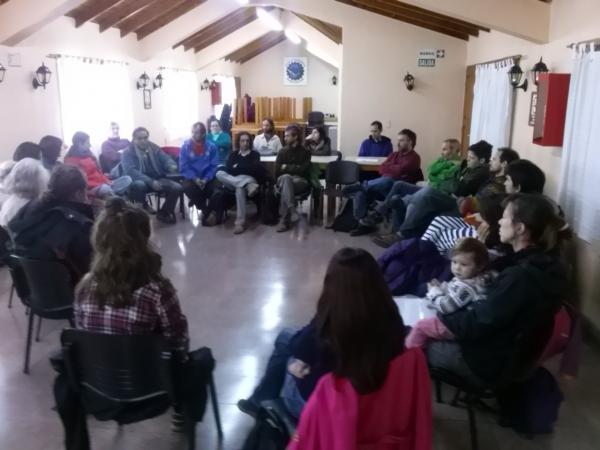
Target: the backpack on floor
pixel 269 205
pixel 532 407
pixel 345 221
pixel 270 432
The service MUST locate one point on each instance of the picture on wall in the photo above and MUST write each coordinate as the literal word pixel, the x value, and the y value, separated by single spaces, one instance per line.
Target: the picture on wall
pixel 295 71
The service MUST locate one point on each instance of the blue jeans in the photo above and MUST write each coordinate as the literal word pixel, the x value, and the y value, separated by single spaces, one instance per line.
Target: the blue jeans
pixel 370 191
pixel 291 395
pixel 399 190
pixel 119 186
pixel 421 208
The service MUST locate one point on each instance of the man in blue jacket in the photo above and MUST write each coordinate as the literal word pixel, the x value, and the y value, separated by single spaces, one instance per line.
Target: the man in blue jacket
pixel 149 168
pixel 376 144
pixel 198 163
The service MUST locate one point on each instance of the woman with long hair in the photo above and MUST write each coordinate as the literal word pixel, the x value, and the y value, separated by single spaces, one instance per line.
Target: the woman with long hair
pixel 318 143
pixel 125 291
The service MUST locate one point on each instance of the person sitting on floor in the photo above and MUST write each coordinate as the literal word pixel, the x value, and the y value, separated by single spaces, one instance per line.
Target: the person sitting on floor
pixel 58 225
pixel 198 162
pixel 377 392
pixel 318 143
pixel 243 172
pixel 376 144
pixel 267 143
pixel 470 284
pixel 516 320
pixel 27 150
pixel 402 165
pixel 149 168
pixel 99 185
pixel 292 169
pixel 27 181
pixel 221 140
pixel 51 147
pixel 112 149
pixel 299 361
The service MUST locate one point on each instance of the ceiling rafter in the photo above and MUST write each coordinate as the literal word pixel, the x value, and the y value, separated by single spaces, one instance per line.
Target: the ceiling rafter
pixel 419 16
pixel 120 11
pixel 256 47
pixel 167 17
pixel 90 9
pixel 333 32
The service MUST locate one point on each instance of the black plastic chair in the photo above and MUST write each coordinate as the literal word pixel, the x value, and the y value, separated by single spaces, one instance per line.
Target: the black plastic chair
pixel 338 174
pixel 50 296
pixel 315 119
pixel 132 376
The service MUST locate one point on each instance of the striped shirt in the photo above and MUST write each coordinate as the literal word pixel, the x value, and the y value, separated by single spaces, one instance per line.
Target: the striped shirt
pixel 445 231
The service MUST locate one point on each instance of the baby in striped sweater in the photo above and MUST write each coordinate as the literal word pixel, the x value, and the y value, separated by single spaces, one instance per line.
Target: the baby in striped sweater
pixel 470 283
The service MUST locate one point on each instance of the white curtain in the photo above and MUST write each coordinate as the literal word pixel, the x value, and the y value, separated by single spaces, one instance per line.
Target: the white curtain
pixel 94 93
pixel 581 161
pixel 180 103
pixel 491 118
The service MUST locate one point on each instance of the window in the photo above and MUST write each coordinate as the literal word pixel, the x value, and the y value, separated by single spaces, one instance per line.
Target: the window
pixel 180 103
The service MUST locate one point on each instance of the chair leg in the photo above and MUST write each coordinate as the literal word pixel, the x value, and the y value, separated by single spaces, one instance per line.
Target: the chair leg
pixel 39 329
pixel 182 205
pixel 472 425
pixel 191 433
pixel 438 391
pixel 28 342
pixel 12 293
pixel 215 405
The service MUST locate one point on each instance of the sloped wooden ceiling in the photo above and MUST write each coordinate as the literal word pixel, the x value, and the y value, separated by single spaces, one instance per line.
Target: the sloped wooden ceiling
pixel 419 16
pixel 256 47
pixel 141 17
pixel 333 32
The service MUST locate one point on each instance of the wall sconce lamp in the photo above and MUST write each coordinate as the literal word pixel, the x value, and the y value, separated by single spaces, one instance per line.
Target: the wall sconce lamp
pixel 42 77
pixel 515 74
pixel 334 80
pixel 539 68
pixel 2 72
pixel 409 81
pixel 205 86
pixel 143 81
pixel 158 81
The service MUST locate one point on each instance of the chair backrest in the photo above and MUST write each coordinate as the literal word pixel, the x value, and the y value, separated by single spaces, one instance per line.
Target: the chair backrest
pixel 120 368
pixel 19 280
pixel 316 119
pixel 342 172
pixel 50 286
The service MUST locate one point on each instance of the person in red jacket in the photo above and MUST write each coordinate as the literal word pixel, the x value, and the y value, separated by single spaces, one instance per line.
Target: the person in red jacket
pixel 404 164
pixel 99 185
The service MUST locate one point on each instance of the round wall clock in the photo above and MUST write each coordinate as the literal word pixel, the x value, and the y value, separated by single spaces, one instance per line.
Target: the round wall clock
pixel 294 71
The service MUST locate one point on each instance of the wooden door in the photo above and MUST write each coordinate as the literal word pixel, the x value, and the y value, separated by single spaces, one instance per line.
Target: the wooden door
pixel 467 109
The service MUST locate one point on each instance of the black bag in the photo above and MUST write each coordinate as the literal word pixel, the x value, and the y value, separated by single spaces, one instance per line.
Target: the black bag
pixel 197 374
pixel 221 200
pixel 271 431
pixel 531 407
pixel 345 221
pixel 269 205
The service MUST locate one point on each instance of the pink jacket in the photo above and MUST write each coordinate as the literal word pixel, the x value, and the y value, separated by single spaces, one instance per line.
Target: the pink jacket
pixel 396 417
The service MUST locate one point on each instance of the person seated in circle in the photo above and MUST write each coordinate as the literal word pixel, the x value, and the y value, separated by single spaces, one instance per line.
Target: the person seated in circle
pixel 58 225
pixel 221 140
pixel 243 172
pixel 51 147
pixel 318 143
pixel 267 143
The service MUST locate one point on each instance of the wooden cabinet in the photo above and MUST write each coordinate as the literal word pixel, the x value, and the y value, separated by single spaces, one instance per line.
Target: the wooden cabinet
pixel 551 109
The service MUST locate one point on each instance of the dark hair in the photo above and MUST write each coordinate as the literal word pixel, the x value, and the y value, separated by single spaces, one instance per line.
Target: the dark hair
pixel 527 176
pixel 27 150
pixel 270 120
pixel 51 147
pixel 377 124
pixel 482 149
pixel 357 319
pixel 65 181
pixel 201 125
pixel 491 208
pixel 508 155
pixel 214 119
pixel 237 139
pixel 475 247
pixel 410 134
pixel 79 138
pixel 295 128
pixel 139 130
pixel 123 256
pixel 539 217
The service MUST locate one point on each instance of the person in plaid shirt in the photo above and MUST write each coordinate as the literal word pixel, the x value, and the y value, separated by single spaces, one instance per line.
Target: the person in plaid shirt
pixel 125 291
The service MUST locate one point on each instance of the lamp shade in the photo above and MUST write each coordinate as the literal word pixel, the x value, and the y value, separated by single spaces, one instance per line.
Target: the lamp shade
pixel 2 72
pixel 539 68
pixel 42 77
pixel 515 74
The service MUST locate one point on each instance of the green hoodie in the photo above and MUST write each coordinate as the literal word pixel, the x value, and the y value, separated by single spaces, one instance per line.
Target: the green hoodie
pixel 442 174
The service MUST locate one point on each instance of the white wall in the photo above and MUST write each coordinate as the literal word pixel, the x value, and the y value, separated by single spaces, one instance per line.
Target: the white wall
pixel 262 76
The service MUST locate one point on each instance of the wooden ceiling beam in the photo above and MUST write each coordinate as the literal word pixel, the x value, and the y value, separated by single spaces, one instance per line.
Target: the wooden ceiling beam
pixel 89 10
pixel 119 12
pixel 333 32
pixel 144 15
pixel 167 17
pixel 256 47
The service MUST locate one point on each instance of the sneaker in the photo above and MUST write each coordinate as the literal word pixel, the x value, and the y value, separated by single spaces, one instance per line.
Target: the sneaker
pixel 167 218
pixel 362 230
pixel 386 240
pixel 351 189
pixel 248 407
pixel 283 226
pixel 239 229
pixel 252 189
pixel 210 220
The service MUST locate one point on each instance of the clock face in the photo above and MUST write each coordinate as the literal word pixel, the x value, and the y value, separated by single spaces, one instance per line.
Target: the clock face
pixel 294 71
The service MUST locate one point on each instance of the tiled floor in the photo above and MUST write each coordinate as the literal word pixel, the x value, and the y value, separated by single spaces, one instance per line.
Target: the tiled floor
pixel 237 292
